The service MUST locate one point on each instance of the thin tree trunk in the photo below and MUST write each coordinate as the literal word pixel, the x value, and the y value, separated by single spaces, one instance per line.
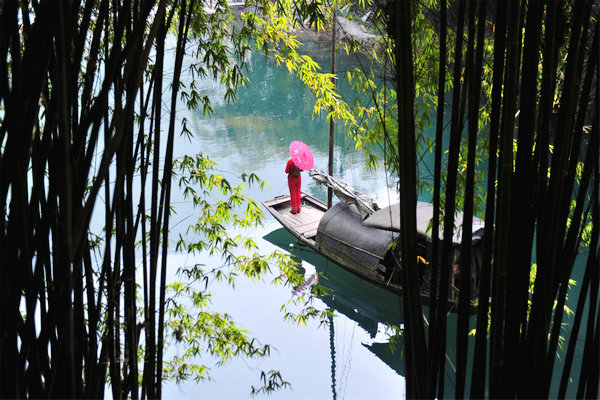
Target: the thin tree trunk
pixel 446 264
pixel 435 229
pixel 474 87
pixel 333 80
pixel 522 210
pixel 414 334
pixel 499 383
pixel 184 23
pixel 479 363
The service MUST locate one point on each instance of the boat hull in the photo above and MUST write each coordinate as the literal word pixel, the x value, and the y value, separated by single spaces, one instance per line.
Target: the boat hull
pixel 340 235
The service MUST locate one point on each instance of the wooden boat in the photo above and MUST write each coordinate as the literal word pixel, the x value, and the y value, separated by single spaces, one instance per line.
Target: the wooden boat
pixel 360 241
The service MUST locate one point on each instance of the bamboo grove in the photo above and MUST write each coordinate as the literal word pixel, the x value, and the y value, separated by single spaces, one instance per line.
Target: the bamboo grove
pixel 72 86
pixel 542 206
pixel 89 92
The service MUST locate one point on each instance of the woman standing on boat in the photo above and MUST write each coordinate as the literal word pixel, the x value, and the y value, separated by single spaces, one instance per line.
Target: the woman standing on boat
pixel 301 159
pixel 295 183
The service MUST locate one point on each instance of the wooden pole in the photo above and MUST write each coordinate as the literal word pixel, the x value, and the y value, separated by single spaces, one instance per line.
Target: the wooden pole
pixel 331 122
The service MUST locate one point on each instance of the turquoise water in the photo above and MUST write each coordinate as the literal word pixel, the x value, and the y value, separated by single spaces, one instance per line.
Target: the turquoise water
pixel 350 358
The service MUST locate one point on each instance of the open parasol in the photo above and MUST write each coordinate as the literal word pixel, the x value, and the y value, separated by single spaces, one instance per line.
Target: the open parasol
pixel 301 155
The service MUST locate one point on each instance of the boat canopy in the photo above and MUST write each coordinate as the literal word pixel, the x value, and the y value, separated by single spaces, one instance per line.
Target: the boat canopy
pixel 347 194
pixel 341 234
pixel 388 218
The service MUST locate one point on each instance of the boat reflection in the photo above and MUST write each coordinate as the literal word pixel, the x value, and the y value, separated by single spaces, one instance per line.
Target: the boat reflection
pixel 370 306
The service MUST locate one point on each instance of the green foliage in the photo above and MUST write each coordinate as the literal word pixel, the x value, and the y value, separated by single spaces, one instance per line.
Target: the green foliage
pixel 273 31
pixel 222 210
pixel 272 381
pixel 376 125
pixel 395 338
pixel 480 178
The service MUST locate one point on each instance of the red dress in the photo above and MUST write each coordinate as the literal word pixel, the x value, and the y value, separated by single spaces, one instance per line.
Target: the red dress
pixel 295 183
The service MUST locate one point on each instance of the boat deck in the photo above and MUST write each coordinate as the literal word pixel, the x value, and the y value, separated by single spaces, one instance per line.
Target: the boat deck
pixel 304 224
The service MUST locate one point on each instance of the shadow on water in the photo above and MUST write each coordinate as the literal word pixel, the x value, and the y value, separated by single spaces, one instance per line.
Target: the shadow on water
pixel 371 307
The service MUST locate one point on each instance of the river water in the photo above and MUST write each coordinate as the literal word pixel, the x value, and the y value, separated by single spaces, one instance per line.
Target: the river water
pixel 351 357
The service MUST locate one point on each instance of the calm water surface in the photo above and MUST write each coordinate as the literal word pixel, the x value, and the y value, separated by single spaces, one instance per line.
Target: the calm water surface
pixel 351 357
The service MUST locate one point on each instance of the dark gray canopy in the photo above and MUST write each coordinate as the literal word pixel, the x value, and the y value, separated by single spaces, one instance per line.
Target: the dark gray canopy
pixel 388 218
pixel 343 237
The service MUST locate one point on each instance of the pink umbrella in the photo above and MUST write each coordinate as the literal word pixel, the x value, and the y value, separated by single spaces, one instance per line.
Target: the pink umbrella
pixel 301 155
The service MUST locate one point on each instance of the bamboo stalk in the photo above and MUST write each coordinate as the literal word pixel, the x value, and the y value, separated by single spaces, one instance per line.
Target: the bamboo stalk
pixel 415 347
pixel 480 355
pixel 439 349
